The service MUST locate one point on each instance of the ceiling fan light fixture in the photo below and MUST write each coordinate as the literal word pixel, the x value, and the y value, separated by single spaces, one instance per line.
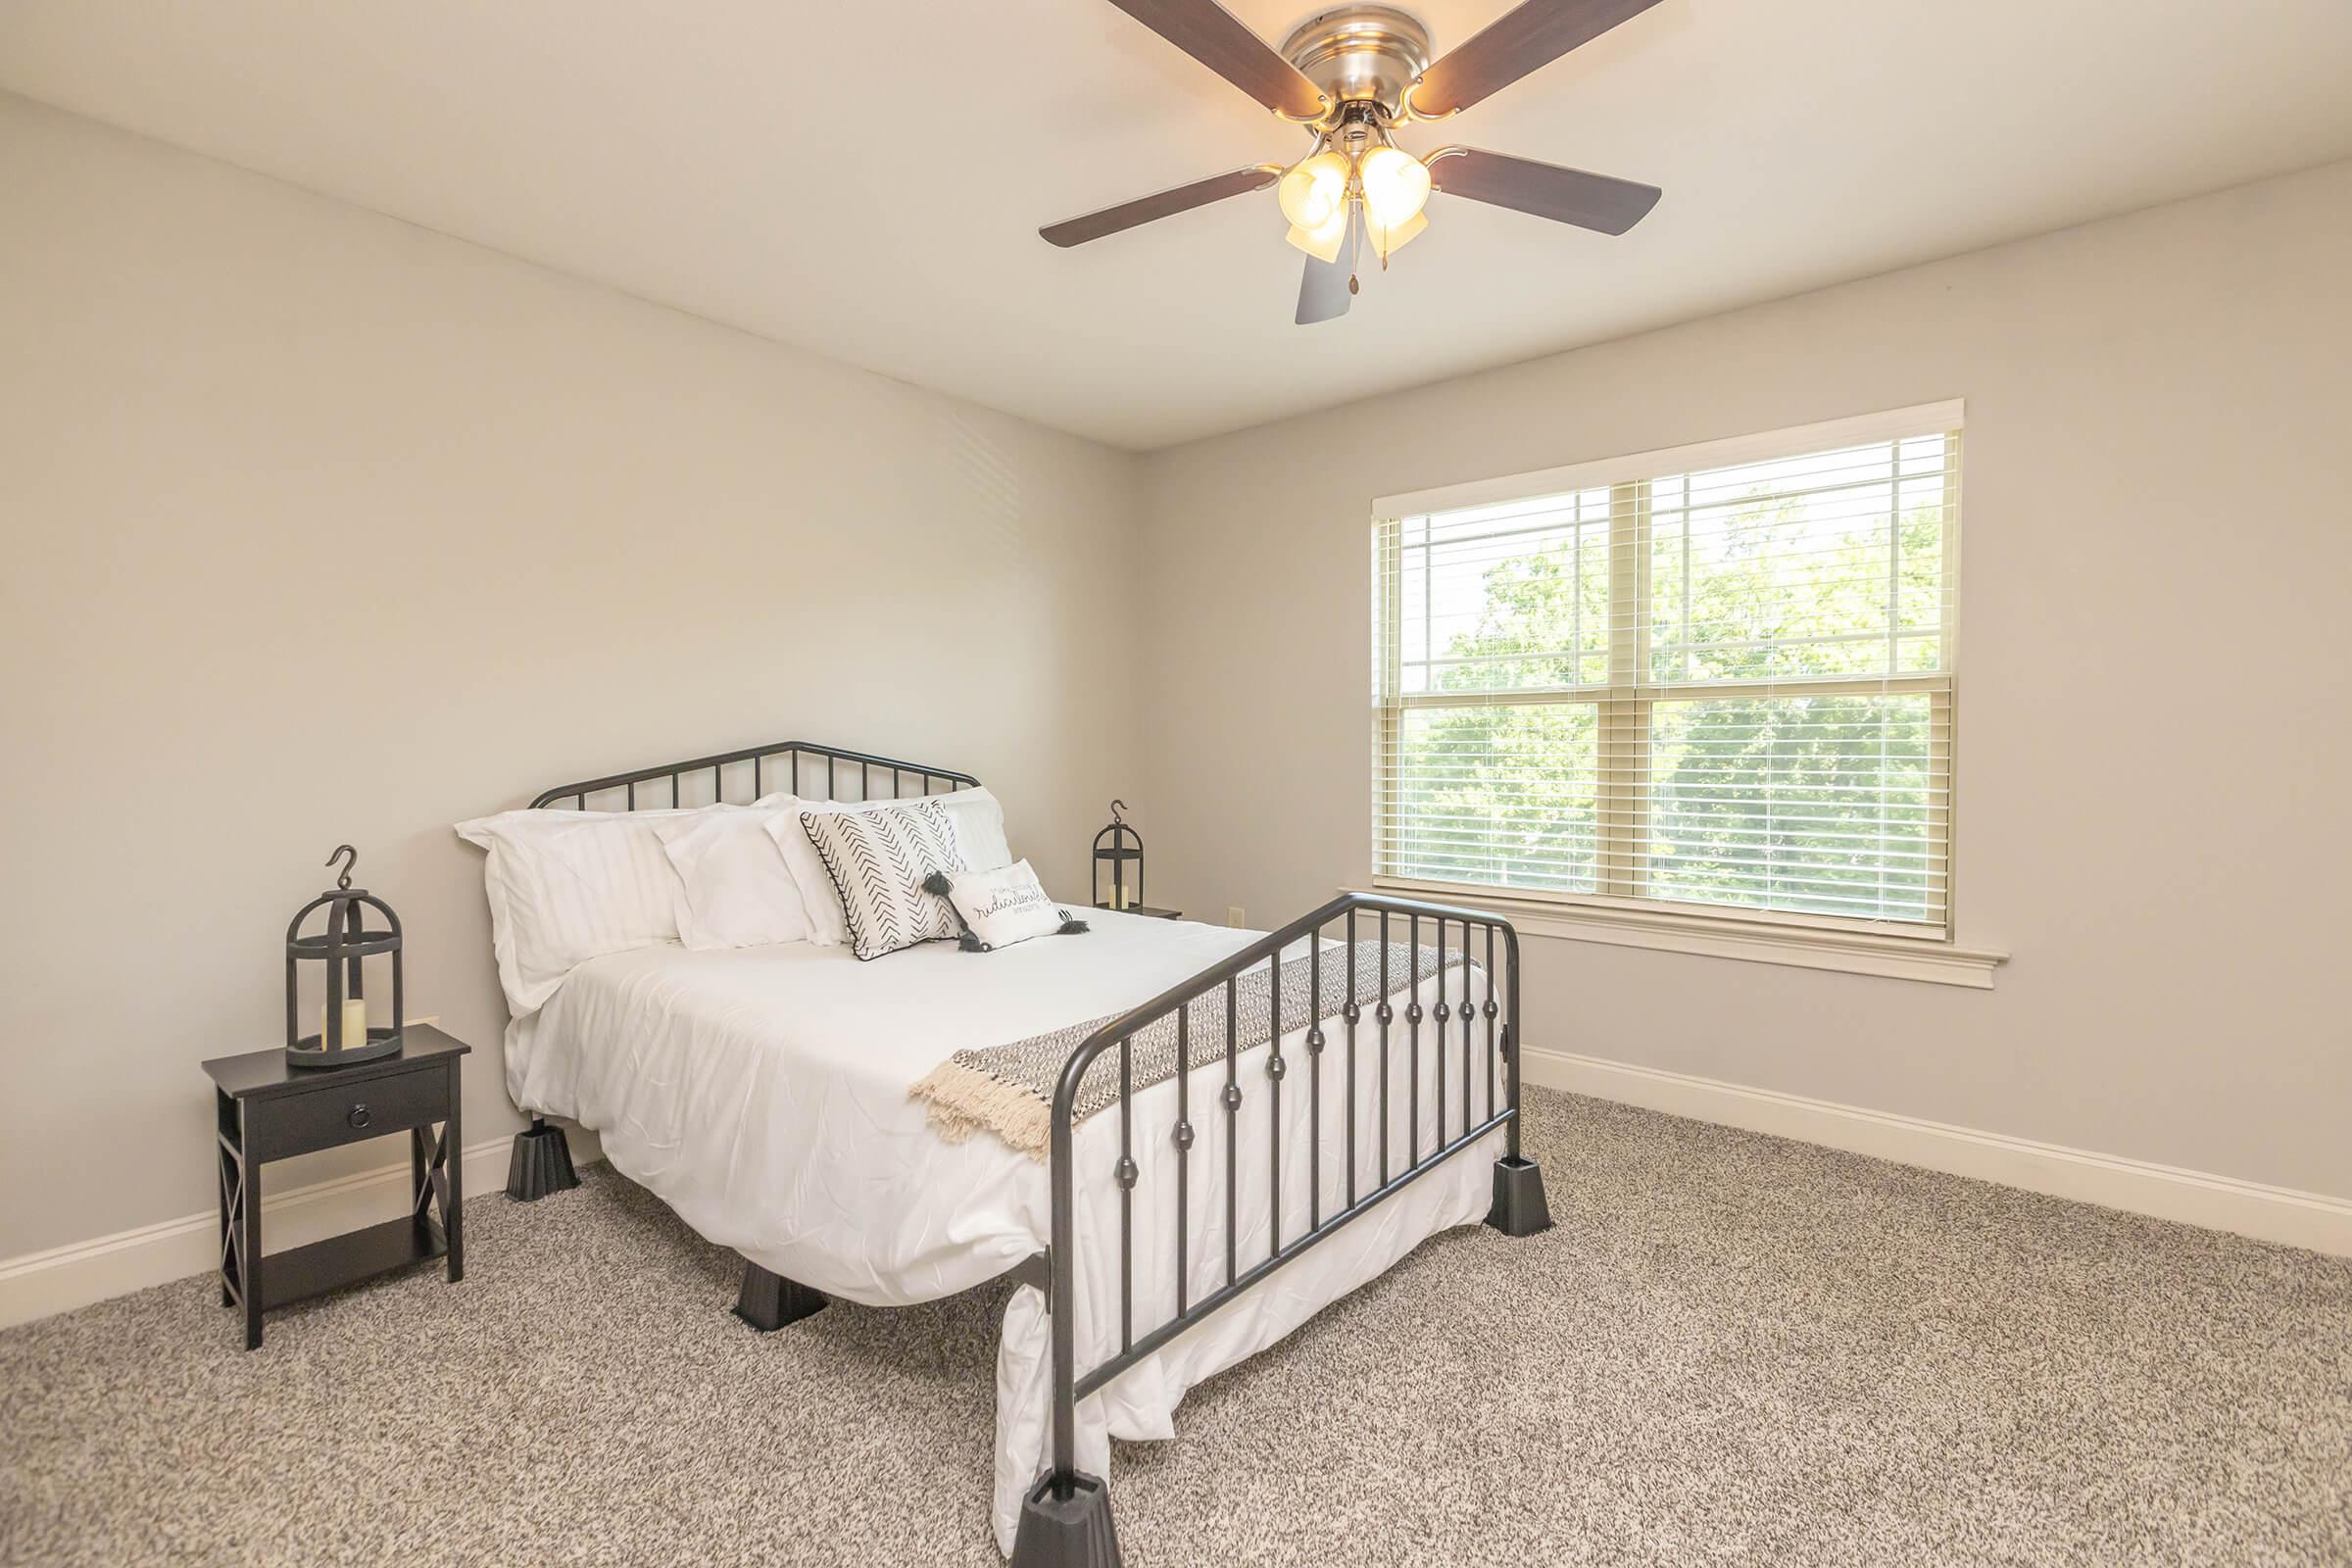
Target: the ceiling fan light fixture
pixel 1396 187
pixel 1324 241
pixel 1313 189
pixel 1349 76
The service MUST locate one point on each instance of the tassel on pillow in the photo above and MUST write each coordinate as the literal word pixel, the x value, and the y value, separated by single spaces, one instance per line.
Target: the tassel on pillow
pixel 937 884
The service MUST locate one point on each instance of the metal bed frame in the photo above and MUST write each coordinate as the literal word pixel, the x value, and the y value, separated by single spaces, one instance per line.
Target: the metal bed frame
pixel 1065 1518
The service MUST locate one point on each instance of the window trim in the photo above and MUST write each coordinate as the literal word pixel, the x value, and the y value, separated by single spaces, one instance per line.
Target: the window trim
pixel 1823 436
pixel 1807 939
pixel 1722 931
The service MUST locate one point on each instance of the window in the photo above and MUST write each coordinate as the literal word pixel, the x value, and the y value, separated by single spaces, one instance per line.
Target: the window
pixel 1719 678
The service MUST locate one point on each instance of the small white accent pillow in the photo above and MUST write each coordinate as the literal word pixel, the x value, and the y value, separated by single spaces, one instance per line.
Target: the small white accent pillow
pixel 737 890
pixel 979 821
pixel 568 886
pixel 878 861
pixel 1004 905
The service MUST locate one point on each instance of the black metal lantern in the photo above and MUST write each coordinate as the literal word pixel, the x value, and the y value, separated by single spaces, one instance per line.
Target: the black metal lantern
pixel 344 1036
pixel 1119 857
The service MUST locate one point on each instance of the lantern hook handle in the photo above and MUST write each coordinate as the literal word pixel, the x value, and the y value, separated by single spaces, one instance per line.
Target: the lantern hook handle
pixel 350 857
pixel 1116 807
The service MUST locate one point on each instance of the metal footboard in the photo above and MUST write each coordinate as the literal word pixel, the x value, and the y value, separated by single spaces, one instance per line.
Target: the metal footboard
pixel 1066 1521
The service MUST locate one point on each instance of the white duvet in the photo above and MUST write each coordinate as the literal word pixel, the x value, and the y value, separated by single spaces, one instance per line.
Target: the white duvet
pixel 762 1093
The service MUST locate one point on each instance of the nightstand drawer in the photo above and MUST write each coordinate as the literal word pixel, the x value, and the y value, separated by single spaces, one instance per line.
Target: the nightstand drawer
pixel 343 1113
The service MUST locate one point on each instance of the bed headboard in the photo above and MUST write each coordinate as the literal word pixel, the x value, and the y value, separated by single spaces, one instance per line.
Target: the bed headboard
pixel 764 769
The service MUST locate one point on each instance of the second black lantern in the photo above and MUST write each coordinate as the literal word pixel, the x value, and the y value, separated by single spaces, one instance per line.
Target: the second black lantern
pixel 1119 863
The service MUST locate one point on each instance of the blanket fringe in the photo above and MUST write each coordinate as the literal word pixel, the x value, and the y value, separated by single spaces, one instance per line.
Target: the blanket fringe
pixel 961 1100
pixel 965 1095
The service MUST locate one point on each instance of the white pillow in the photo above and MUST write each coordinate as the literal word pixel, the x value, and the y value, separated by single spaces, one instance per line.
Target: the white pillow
pixel 878 862
pixel 1005 906
pixel 568 886
pixel 979 821
pixel 826 926
pixel 736 890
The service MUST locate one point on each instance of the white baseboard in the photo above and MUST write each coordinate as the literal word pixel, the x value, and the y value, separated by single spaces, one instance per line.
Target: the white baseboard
pixel 78 1273
pixel 2193 1197
pixel 62 1278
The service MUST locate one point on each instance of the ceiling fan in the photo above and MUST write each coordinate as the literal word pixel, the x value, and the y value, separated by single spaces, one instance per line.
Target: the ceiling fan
pixel 1349 77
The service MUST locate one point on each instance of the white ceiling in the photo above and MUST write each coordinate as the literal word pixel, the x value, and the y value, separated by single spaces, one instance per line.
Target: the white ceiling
pixel 866 179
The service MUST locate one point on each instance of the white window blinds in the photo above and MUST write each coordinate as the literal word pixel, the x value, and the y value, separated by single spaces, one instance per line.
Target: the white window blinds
pixel 1720 677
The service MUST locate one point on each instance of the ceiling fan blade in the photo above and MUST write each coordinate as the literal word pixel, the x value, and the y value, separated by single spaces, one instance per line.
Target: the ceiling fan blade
pixel 1563 195
pixel 1513 45
pixel 1323 293
pixel 1207 32
pixel 1168 203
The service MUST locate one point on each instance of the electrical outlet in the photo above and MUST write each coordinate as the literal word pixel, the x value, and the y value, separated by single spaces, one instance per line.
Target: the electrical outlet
pixel 1235 916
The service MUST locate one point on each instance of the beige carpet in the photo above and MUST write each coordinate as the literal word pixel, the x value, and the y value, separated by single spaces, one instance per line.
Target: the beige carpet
pixel 1731 1350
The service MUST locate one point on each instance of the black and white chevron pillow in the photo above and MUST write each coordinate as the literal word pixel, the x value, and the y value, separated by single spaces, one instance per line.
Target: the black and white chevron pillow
pixel 878 861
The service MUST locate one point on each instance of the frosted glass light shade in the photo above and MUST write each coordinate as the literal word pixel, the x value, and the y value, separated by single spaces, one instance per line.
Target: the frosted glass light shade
pixel 1388 241
pixel 1322 243
pixel 1314 188
pixel 1396 187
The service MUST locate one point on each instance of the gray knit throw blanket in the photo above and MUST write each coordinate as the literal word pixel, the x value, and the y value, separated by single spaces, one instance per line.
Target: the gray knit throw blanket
pixel 1009 1089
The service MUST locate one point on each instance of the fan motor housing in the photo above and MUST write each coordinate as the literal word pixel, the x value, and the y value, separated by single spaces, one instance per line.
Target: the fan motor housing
pixel 1361 54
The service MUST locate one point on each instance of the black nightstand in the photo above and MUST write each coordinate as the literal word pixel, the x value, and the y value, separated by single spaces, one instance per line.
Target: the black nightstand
pixel 1148 911
pixel 270 1110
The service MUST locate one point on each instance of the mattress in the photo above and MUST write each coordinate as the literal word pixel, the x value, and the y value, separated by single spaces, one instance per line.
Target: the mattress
pixel 763 1094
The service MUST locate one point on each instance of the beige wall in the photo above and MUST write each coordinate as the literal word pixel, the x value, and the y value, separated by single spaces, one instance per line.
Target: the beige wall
pixel 2154 749
pixel 323 527
pixel 246 433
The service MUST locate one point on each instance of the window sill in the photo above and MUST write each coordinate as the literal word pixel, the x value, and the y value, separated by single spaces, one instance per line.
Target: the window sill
pixel 1717 937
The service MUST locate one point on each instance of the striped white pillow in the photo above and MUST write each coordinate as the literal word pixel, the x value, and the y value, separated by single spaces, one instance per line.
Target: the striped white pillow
pixel 878 861
pixel 568 886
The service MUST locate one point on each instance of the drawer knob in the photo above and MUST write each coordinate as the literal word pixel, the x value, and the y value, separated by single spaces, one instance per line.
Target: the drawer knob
pixel 359 1116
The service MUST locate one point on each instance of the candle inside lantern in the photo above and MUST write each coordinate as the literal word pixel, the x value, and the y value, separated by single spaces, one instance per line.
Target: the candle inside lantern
pixel 1119 875
pixel 354 1024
